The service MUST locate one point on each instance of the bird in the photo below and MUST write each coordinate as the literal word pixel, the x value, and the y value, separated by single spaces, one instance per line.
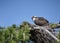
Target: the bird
pixel 40 21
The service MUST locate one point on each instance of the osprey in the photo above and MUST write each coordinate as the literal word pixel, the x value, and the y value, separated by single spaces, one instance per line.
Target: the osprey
pixel 40 21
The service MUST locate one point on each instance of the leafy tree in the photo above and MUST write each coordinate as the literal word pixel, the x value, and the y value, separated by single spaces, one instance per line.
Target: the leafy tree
pixel 2 38
pixel 24 32
pixel 14 25
pixel 10 34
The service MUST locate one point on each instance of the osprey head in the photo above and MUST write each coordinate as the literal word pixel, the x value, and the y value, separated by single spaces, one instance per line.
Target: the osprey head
pixel 34 18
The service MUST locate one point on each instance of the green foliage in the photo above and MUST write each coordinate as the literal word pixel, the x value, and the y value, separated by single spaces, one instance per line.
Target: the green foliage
pixel 58 37
pixel 24 32
pixel 2 38
pixel 53 25
pixel 13 35
pixel 14 26
pixel 59 34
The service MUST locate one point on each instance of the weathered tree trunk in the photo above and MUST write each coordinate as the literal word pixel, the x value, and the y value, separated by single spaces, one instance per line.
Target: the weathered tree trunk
pixel 40 36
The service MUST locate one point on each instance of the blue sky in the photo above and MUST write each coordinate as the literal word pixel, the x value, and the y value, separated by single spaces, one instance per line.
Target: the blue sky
pixel 16 11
